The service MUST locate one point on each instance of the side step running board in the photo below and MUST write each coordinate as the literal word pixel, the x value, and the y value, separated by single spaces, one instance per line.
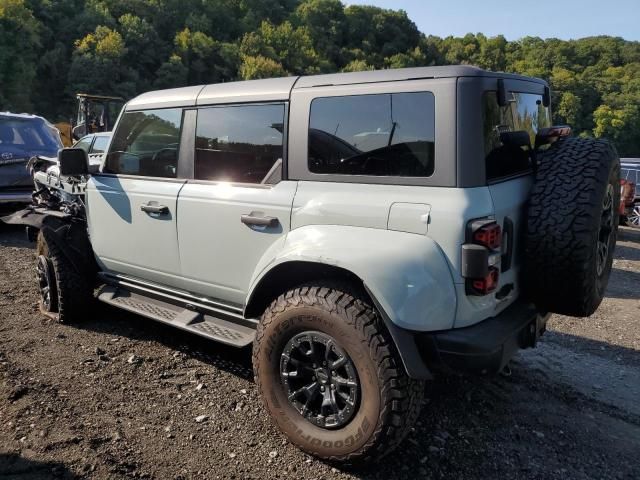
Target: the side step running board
pixel 202 324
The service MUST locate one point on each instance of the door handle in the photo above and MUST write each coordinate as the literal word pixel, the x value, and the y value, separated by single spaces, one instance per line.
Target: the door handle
pixel 154 208
pixel 258 220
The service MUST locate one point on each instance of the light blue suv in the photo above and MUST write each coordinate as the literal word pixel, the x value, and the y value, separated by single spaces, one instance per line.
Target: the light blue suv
pixel 363 232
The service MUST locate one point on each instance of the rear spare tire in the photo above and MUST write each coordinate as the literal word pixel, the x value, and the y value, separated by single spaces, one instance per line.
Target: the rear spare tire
pixel 572 226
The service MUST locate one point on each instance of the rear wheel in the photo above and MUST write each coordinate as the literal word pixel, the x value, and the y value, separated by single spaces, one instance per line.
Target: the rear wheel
pixel 330 376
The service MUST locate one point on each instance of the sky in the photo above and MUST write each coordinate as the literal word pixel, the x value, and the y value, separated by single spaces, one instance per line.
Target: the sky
pixel 565 19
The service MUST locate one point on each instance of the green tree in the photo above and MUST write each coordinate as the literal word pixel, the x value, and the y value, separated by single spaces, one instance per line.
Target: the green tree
pixel 569 110
pixel 254 67
pixel 19 42
pixel 291 46
pixel 98 65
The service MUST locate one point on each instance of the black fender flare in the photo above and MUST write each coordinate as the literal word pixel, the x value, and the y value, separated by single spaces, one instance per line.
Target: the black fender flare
pixel 69 233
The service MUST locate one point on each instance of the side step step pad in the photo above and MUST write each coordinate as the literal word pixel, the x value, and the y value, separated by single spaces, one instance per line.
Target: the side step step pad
pixel 208 326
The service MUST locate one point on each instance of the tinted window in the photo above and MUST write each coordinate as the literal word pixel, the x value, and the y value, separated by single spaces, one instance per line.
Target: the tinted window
pixel 507 128
pixel 84 143
pixel 100 144
pixel 240 143
pixel 146 143
pixel 379 135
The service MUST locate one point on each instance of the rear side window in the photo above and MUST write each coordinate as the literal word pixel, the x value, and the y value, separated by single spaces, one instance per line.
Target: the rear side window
pixel 375 135
pixel 146 143
pixel 241 144
pixel 507 128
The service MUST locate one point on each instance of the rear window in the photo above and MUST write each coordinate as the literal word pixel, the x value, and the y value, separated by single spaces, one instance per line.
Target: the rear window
pixel 146 143
pixel 375 135
pixel 503 128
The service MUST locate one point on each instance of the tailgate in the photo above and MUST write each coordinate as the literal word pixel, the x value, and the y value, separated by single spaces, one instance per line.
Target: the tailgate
pixel 509 203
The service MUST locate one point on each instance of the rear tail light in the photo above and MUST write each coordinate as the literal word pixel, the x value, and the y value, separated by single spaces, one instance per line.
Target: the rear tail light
pixel 488 284
pixel 489 235
pixel 481 257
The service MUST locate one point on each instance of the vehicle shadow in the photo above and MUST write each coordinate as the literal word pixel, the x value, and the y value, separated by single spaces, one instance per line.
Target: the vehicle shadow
pixel 13 466
pixel 624 252
pixel 623 284
pixel 116 322
pixel 629 234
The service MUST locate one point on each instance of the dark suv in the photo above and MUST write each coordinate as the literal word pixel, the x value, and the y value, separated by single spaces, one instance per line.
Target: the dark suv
pixel 22 136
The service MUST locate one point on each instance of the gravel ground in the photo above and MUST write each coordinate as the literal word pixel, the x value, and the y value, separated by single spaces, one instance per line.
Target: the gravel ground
pixel 119 396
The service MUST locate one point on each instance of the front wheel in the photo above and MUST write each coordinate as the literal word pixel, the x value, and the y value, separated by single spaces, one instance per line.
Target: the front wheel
pixel 65 293
pixel 330 376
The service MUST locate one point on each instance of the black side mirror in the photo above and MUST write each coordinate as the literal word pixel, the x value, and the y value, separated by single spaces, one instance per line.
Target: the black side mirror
pixel 519 138
pixel 74 162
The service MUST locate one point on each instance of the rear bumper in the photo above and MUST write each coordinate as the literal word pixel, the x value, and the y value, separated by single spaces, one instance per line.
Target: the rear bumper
pixel 485 347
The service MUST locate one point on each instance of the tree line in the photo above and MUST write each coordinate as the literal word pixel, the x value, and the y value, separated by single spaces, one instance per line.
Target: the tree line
pixel 49 50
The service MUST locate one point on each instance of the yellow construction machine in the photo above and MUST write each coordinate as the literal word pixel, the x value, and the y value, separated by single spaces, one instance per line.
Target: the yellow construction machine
pixel 96 113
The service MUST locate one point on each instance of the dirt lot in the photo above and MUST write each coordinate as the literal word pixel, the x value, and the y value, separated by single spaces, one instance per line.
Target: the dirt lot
pixel 117 397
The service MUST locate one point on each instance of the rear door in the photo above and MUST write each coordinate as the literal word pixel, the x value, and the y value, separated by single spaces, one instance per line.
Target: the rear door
pixel 237 206
pixel 132 204
pixel 509 171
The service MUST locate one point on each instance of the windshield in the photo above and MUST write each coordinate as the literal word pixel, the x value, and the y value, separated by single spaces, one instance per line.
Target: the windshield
pixel 25 137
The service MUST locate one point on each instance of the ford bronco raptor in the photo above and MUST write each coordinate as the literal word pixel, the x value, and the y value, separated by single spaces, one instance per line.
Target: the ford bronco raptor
pixel 362 231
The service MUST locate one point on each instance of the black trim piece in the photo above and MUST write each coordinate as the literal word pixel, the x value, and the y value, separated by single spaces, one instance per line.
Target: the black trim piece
pixel 405 342
pixel 263 186
pixel 506 178
pixel 209 326
pixel 177 297
pixel 475 261
pixel 503 101
pixel 508 232
pixel 546 97
pixel 285 140
pixel 487 346
pixel 139 177
pixel 186 153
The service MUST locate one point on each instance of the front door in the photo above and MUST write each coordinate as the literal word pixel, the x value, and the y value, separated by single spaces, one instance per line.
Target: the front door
pixel 132 204
pixel 237 206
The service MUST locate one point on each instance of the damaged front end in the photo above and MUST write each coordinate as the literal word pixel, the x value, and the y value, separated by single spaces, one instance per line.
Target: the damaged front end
pixel 58 211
